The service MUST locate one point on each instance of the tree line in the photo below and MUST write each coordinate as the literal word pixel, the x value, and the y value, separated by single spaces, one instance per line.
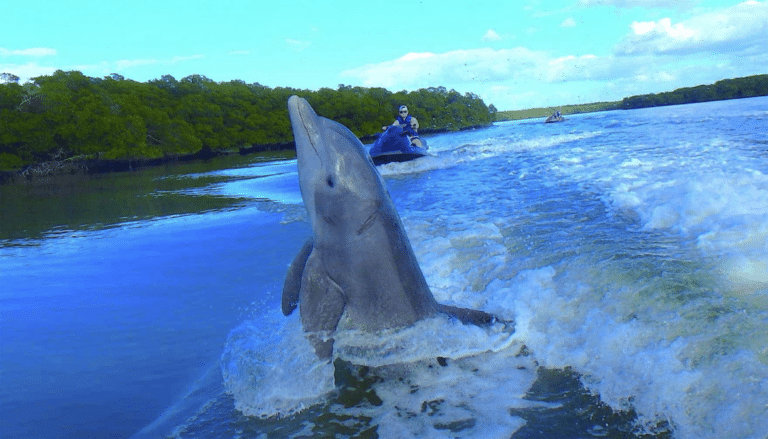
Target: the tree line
pixel 737 88
pixel 542 112
pixel 68 115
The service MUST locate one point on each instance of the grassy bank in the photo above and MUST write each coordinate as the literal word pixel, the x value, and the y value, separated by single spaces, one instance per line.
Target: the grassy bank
pixel 736 88
pixel 533 113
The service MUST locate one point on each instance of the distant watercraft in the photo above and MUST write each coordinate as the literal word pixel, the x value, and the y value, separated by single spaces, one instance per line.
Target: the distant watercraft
pixel 393 145
pixel 555 117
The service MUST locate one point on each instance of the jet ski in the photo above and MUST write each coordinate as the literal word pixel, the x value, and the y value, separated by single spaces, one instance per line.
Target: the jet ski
pixel 393 145
pixel 555 117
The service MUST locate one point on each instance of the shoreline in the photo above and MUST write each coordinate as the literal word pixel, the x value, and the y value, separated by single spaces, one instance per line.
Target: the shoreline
pixel 91 166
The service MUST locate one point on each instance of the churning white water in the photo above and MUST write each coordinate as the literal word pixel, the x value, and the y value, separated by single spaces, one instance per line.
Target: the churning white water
pixel 630 247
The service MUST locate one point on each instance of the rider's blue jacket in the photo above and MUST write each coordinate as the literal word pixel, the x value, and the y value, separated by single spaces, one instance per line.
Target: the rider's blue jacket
pixel 407 122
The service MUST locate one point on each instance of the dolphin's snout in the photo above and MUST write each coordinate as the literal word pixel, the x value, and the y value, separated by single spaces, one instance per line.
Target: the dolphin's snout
pixel 304 121
pixel 299 107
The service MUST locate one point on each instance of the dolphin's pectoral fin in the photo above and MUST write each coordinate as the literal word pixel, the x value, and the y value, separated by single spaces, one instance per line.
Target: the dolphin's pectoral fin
pixel 292 284
pixel 470 316
pixel 321 309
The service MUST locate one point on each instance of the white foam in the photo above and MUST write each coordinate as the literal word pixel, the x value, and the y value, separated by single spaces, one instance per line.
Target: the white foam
pixel 691 351
pixel 636 364
pixel 702 366
pixel 473 395
pixel 710 192
pixel 271 370
pixel 461 260
pixel 725 212
pixel 276 373
pixel 446 153
pixel 439 336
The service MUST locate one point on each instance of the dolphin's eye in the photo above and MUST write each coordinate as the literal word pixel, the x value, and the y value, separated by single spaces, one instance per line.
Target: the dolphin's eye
pixel 330 181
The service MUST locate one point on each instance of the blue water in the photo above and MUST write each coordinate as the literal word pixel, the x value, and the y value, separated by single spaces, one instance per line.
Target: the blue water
pixel 630 247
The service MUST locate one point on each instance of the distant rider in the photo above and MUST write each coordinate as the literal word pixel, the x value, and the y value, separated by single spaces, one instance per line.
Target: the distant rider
pixel 409 124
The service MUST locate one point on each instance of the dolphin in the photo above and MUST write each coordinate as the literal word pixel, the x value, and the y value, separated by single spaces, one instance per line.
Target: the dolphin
pixel 359 262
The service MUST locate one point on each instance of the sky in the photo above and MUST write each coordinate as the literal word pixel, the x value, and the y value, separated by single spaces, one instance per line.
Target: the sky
pixel 515 54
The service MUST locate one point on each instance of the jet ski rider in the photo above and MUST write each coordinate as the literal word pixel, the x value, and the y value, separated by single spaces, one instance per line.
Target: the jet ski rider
pixel 409 124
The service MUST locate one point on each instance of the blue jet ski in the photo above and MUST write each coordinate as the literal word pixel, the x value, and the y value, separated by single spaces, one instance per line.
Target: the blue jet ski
pixel 393 145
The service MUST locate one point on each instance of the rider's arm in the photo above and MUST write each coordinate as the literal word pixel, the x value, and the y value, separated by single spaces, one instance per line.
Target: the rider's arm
pixel 384 128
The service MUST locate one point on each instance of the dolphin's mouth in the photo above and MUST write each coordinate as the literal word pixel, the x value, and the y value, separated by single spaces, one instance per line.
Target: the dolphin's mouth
pixel 370 220
pixel 311 141
pixel 306 119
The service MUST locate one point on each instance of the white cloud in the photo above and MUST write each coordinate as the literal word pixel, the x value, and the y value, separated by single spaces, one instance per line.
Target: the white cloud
pixel 653 57
pixel 416 56
pixel 656 77
pixel 459 66
pixel 490 67
pixel 572 68
pixel 298 44
pixel 176 59
pixel 34 51
pixel 491 35
pixel 663 28
pixel 568 22
pixel 128 63
pixel 31 70
pixel 639 3
pixel 737 28
pixel 523 78
pixel 101 69
pixel 26 71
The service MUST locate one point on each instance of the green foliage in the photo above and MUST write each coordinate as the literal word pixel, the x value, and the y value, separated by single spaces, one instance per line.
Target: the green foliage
pixel 70 115
pixel 750 86
pixel 747 87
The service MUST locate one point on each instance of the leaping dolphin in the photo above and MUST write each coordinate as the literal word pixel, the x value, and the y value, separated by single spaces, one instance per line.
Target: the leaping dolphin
pixel 359 261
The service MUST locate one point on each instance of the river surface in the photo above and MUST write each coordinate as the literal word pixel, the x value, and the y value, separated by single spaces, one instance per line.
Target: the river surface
pixel 629 247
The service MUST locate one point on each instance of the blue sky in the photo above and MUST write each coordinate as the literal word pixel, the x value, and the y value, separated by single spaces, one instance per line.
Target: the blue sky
pixel 515 54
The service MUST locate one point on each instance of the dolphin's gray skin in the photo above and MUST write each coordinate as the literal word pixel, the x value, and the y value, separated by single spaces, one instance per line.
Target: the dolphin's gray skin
pixel 359 260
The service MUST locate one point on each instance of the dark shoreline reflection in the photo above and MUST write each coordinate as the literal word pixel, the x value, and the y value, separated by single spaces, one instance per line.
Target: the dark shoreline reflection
pixel 49 205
